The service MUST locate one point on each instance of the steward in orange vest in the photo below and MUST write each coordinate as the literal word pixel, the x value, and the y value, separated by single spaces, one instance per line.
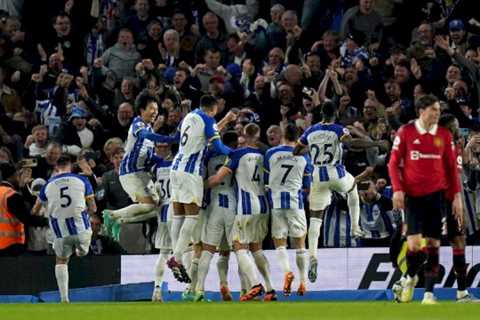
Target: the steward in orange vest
pixel 14 213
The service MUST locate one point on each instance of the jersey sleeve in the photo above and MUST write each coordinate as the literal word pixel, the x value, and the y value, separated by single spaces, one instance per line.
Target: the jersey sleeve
pixel 88 187
pixel 266 167
pixel 307 174
pixel 450 158
pixel 137 127
pixel 304 138
pixel 396 158
pixel 42 195
pixel 233 160
pixel 211 131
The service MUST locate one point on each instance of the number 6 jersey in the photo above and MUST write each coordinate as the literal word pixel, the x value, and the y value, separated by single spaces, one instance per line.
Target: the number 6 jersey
pixel 65 195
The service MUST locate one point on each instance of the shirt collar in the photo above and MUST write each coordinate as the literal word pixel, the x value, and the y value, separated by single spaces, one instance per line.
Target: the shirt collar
pixel 422 130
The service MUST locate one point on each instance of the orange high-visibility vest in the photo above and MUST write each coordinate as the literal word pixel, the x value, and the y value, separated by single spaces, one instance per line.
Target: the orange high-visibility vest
pixel 11 229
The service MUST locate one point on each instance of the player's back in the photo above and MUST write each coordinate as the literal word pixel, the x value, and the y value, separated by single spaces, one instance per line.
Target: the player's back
pixel 65 195
pixel 248 166
pixel 324 142
pixel 286 174
pixel 222 195
pixel 138 150
pixel 161 172
pixel 195 130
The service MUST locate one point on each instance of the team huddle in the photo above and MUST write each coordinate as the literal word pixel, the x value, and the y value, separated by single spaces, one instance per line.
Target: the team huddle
pixel 215 196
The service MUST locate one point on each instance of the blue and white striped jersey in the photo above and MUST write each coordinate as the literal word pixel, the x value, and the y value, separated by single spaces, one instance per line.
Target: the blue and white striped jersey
pixel 65 196
pixel 324 142
pixel 222 195
pixel 337 224
pixel 376 218
pixel 197 130
pixel 247 164
pixel 138 150
pixel 286 176
pixel 161 174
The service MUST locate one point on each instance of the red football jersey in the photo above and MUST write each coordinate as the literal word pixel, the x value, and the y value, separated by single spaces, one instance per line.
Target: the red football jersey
pixel 423 162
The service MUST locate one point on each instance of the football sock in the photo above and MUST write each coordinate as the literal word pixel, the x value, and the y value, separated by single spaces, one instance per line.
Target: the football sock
pixel 160 268
pixel 61 273
pixel 187 258
pixel 431 269
pixel 460 267
pixel 132 210
pixel 222 267
pixel 193 273
pixel 282 255
pixel 301 258
pixel 353 202
pixel 244 284
pixel 247 267
pixel 177 223
pixel 414 260
pixel 185 236
pixel 264 268
pixel 313 235
pixel 203 266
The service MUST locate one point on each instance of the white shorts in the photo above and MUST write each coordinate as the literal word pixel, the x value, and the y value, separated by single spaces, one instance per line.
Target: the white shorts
pixel 186 188
pixel 321 191
pixel 250 228
pixel 288 222
pixel 64 247
pixel 218 226
pixel 138 185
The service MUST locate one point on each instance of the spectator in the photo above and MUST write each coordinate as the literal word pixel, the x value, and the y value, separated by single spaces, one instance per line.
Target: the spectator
pixel 112 194
pixel 37 142
pixel 74 134
pixel 139 22
pixel 213 39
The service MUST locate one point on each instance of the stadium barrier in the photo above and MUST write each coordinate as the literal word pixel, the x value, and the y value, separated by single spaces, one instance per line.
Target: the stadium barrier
pixel 353 274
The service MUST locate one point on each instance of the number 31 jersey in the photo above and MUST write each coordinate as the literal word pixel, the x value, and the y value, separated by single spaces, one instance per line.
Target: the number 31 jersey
pixel 197 130
pixel 324 142
pixel 65 195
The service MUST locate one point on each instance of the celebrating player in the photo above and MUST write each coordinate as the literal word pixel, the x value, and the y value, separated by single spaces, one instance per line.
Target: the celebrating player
pixel 286 176
pixel 68 197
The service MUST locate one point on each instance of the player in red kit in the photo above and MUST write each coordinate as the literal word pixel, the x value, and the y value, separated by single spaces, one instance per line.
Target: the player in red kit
pixel 423 170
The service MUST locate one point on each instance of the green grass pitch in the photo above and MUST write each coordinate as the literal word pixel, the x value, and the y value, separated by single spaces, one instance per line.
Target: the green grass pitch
pixel 244 311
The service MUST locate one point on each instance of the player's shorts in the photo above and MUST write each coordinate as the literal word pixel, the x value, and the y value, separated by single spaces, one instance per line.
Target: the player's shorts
pixel 288 222
pixel 64 247
pixel 163 241
pixel 326 179
pixel 424 215
pixel 250 228
pixel 218 226
pixel 138 185
pixel 200 226
pixel 453 227
pixel 186 188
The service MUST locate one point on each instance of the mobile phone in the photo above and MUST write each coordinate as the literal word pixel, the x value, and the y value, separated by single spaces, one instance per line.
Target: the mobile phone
pixel 28 163
pixel 464 132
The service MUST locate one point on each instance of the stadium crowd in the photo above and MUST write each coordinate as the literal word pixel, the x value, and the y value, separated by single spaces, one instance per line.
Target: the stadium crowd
pixel 73 72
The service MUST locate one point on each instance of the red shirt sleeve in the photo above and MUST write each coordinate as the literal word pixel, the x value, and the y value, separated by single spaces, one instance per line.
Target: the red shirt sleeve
pixel 451 170
pixel 396 158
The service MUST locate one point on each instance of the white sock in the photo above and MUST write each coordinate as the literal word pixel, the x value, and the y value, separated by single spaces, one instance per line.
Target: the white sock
pixel 354 208
pixel 244 284
pixel 185 236
pixel 282 255
pixel 222 268
pixel 132 210
pixel 301 258
pixel 313 235
pixel 247 267
pixel 264 268
pixel 193 273
pixel 140 217
pixel 187 258
pixel 203 267
pixel 61 273
pixel 160 268
pixel 177 223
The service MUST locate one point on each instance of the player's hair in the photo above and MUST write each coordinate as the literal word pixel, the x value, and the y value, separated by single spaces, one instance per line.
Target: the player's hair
pixel 230 139
pixel 142 102
pixel 207 102
pixel 251 130
pixel 290 133
pixel 64 160
pixel 328 110
pixel 425 101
